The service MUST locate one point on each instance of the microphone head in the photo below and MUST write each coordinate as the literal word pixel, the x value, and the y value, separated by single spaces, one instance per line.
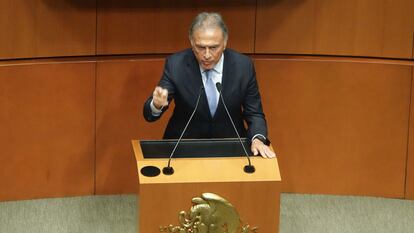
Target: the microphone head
pixel 218 86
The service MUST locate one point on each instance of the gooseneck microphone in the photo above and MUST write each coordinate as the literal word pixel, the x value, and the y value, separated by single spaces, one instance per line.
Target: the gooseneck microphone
pixel 248 168
pixel 168 170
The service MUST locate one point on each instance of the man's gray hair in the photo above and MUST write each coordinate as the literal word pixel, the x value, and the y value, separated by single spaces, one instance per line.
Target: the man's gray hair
pixel 207 20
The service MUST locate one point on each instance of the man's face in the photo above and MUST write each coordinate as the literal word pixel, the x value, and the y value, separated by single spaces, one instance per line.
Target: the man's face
pixel 208 44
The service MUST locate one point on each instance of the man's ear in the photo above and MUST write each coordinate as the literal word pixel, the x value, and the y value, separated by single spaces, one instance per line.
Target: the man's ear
pixel 191 41
pixel 192 45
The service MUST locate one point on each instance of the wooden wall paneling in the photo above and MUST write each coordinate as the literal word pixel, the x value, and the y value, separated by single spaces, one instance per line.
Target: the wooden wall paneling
pixel 161 26
pixel 122 89
pixel 47 136
pixel 357 28
pixel 285 27
pixel 339 127
pixel 409 182
pixel 47 28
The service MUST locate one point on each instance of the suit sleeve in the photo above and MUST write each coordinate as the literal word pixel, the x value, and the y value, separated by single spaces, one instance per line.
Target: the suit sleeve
pixel 252 107
pixel 166 83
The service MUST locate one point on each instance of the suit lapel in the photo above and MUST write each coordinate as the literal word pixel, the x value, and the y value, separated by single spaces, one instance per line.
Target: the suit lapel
pixel 194 77
pixel 196 83
pixel 225 83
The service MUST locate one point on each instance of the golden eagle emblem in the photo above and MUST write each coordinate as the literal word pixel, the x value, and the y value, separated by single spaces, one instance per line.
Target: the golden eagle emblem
pixel 210 213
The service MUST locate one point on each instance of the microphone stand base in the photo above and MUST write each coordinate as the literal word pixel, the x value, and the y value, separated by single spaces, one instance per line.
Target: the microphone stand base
pixel 248 169
pixel 168 171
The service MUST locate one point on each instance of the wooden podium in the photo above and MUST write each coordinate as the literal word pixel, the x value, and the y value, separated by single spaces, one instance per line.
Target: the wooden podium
pixel 255 196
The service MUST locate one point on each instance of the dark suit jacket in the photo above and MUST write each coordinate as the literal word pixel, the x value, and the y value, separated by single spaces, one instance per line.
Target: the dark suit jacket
pixel 183 80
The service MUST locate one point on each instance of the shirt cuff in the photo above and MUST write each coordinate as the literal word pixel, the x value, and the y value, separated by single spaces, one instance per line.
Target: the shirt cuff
pixel 257 135
pixel 262 138
pixel 154 110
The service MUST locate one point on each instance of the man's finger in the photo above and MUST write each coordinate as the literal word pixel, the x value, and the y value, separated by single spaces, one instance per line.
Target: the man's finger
pixel 161 95
pixel 272 154
pixel 164 93
pixel 254 150
pixel 269 153
pixel 263 152
pixel 158 91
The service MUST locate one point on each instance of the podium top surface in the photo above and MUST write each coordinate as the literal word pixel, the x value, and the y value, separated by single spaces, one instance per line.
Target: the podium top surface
pixel 207 169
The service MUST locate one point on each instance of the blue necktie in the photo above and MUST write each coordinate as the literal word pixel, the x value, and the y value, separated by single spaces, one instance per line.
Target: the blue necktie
pixel 210 88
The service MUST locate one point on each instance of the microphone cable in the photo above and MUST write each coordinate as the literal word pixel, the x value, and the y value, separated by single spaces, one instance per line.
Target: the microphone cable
pixel 168 170
pixel 248 168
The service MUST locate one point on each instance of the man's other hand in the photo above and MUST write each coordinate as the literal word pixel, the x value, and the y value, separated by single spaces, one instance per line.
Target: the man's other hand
pixel 258 147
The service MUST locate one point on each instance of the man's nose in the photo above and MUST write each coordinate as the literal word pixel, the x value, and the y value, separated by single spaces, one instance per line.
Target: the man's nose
pixel 207 54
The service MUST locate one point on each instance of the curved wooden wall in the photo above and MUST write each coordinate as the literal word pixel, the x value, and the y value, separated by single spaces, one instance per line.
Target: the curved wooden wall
pixel 409 182
pixel 161 26
pixel 122 88
pixel 341 123
pixel 47 122
pixel 47 28
pixel 368 28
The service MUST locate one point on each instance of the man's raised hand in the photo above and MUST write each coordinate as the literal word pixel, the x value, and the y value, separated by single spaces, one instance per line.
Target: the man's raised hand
pixel 160 97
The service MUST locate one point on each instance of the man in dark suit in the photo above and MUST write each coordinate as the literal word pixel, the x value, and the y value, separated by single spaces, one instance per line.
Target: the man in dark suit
pixel 195 70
